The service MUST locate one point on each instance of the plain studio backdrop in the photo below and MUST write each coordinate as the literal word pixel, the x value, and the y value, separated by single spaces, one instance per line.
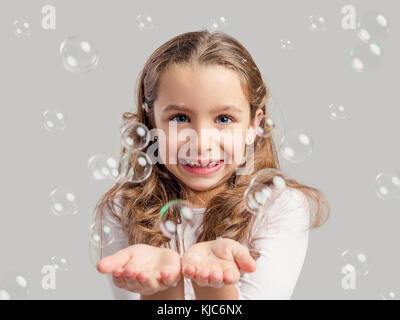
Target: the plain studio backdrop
pixel 347 156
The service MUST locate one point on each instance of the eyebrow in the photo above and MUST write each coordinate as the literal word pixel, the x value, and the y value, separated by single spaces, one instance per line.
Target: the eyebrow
pixel 218 108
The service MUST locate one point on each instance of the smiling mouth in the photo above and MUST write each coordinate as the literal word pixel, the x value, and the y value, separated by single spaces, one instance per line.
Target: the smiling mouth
pixel 205 163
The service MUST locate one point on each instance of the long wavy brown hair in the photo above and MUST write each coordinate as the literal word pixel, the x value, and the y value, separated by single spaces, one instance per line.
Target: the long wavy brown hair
pixel 226 214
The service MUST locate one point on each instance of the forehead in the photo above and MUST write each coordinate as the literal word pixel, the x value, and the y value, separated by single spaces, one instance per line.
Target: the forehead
pixel 200 87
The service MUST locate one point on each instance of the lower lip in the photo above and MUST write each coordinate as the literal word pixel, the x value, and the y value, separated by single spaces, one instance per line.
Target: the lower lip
pixel 202 171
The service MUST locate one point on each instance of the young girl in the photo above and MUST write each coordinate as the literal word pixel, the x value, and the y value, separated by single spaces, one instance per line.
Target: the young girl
pixel 202 81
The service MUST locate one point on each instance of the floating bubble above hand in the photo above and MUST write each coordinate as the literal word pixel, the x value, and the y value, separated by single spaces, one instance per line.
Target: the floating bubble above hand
pixel 103 167
pixel 297 146
pixel 374 26
pixel 144 22
pixel 136 167
pixel 14 286
pixel 175 210
pixel 22 28
pixel 101 234
pixel 366 57
pixel 54 120
pixel 337 112
pixel 135 136
pixel 264 188
pixel 78 55
pixel 59 263
pixel 63 202
pixel 316 23
pixel 387 185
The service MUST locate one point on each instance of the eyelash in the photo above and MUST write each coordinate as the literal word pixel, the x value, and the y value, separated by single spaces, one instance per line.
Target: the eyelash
pixel 222 115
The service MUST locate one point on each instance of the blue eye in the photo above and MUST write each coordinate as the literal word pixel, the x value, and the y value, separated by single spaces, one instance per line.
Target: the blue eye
pixel 178 116
pixel 226 117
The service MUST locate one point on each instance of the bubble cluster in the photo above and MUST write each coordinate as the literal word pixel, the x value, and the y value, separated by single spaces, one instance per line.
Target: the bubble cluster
pixel 264 188
pixel 135 136
pixel 136 167
pixel 101 234
pixel 297 146
pixel 374 26
pixel 54 120
pixel 354 262
pixel 387 185
pixel 103 167
pixel 388 295
pixel 316 23
pixel 337 112
pixel 78 55
pixel 286 44
pixel 219 23
pixel 14 286
pixel 63 202
pixel 366 57
pixel 22 28
pixel 59 263
pixel 144 22
pixel 170 213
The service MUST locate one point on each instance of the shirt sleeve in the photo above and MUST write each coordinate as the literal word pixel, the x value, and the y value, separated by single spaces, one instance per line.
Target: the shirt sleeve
pixel 120 242
pixel 281 236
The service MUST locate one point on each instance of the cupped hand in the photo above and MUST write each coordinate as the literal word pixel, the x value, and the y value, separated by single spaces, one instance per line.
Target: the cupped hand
pixel 216 263
pixel 142 268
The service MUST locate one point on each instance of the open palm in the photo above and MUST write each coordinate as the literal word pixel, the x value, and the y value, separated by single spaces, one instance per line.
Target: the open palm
pixel 143 268
pixel 217 262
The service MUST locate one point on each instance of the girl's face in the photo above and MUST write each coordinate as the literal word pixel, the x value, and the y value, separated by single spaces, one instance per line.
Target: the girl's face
pixel 203 115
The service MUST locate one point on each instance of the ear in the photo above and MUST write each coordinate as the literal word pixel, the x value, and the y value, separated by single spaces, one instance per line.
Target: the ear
pixel 252 132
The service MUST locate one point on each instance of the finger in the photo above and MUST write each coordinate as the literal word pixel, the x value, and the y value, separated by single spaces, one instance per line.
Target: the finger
pixel 167 279
pixel 146 280
pixel 202 277
pixel 119 281
pixel 243 258
pixel 231 275
pixel 216 279
pixel 189 271
pixel 109 263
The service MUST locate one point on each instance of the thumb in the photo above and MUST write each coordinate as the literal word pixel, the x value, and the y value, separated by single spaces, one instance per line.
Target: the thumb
pixel 243 258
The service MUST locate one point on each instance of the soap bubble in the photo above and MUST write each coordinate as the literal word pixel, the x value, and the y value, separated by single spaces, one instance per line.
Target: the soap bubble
pixel 388 295
pixel 59 263
pixel 54 120
pixel 63 202
pixel 286 44
pixel 316 23
pixel 144 22
pixel 78 55
pixel 174 210
pixel 135 136
pixel 264 188
pixel 101 234
pixel 136 167
pixel 103 167
pixel 337 111
pixel 297 145
pixel 387 185
pixel 366 57
pixel 374 26
pixel 219 23
pixel 22 28
pixel 14 286
pixel 355 261
pixel 272 123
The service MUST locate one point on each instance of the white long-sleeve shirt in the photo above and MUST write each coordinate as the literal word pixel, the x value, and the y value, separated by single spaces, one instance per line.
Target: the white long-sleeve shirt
pixel 280 234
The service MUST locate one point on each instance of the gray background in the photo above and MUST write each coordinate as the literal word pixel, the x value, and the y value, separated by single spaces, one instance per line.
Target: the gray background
pixel 346 159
